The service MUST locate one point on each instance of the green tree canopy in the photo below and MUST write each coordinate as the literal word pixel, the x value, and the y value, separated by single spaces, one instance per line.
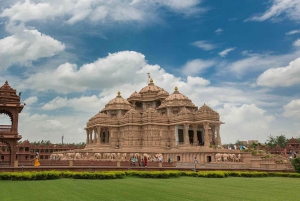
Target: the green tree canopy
pixel 273 141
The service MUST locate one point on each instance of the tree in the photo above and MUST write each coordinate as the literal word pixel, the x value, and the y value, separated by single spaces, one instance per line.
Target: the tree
pixel 273 141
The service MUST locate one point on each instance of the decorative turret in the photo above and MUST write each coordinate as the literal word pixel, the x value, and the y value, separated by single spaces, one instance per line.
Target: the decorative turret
pixel 177 100
pixel 117 103
pixel 206 113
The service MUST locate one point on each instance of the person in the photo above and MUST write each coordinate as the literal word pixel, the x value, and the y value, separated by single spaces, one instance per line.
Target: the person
pixel 145 161
pixel 159 159
pixel 295 155
pixel 169 160
pixel 36 161
pixel 234 147
pixel 139 160
pixel 284 151
pixel 195 163
pixel 133 161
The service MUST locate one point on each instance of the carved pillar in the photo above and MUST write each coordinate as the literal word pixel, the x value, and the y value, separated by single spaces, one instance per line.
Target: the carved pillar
pixel 95 135
pixel 195 141
pixel 213 131
pixel 98 134
pixel 186 134
pixel 91 137
pixel 218 135
pixel 206 136
pixel 107 133
pixel 87 137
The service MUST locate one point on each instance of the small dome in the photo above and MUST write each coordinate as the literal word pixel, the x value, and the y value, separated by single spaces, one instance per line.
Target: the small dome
pixel 135 95
pixel 206 112
pixel 177 100
pixel 117 103
pixel 206 109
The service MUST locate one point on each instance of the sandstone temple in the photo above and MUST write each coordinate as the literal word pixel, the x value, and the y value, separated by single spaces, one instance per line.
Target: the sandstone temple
pixel 154 121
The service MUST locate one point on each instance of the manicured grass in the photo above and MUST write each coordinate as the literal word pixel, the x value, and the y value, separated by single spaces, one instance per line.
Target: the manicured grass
pixel 132 188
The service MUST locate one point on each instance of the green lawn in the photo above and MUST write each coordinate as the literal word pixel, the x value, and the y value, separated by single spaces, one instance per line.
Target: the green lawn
pixel 130 188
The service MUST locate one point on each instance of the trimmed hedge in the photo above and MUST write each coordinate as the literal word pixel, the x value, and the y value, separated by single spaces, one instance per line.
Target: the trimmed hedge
pixel 46 175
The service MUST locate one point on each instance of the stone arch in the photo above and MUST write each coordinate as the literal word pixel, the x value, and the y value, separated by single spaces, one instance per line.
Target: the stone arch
pixel 11 117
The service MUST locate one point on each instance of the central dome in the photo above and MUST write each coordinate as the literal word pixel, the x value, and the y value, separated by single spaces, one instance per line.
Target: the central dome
pixel 151 88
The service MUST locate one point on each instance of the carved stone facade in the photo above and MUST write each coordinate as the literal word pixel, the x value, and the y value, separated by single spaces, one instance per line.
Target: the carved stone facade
pixel 153 121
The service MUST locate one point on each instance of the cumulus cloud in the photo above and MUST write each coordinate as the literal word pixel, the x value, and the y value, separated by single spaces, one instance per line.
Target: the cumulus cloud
pixel 31 100
pixel 204 45
pixel 280 8
pixel 297 43
pixel 256 62
pixel 197 66
pixel 225 52
pixel 245 122
pixel 26 46
pixel 292 109
pixel 84 103
pixel 293 32
pixel 96 10
pixel 199 81
pixel 283 76
pixel 37 127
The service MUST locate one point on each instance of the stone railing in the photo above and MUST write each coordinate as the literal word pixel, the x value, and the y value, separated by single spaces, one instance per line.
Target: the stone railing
pixel 5 128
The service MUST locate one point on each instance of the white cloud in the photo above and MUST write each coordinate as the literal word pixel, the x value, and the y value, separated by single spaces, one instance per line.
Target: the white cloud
pixel 292 109
pixel 256 62
pixel 293 32
pixel 225 52
pixel 196 66
pixel 37 127
pixel 96 10
pixel 245 122
pixel 283 76
pixel 297 43
pixel 219 31
pixel 199 81
pixel 26 46
pixel 204 45
pixel 84 104
pixel 289 8
pixel 31 100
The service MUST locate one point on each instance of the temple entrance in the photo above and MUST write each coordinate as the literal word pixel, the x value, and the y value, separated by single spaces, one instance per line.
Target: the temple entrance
pixel 208 159
pixel 103 137
pixel 191 136
pixel 200 138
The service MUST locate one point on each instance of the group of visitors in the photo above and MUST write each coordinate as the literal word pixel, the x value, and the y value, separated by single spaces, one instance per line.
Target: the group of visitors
pixel 142 162
pixel 292 154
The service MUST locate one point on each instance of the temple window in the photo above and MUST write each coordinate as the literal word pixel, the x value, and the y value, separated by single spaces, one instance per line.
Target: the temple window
pixel 180 135
pixel 158 103
pixel 138 104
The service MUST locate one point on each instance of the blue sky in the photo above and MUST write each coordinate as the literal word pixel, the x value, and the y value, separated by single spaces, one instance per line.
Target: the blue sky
pixel 70 57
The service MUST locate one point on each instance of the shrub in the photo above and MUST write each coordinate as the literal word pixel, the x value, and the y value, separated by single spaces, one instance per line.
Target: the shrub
pixel 30 175
pixel 296 164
